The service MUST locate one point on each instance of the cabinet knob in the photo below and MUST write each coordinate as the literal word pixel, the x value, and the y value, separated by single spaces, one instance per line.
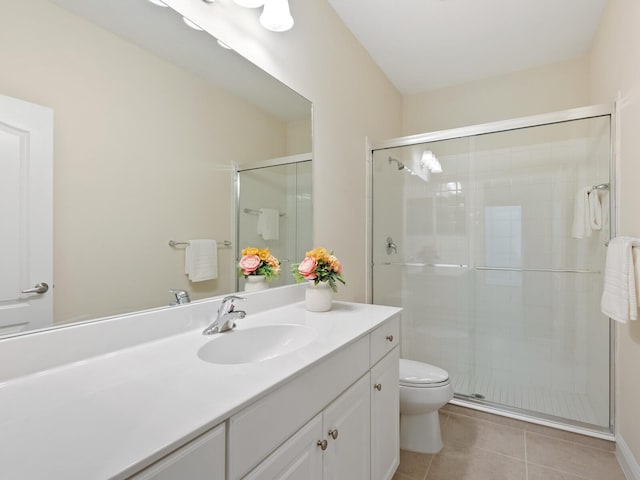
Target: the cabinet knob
pixel 322 444
pixel 333 433
pixel 390 338
pixel 378 386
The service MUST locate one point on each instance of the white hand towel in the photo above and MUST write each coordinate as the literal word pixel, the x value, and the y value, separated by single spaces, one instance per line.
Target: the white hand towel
pixel 620 291
pixel 201 260
pixel 269 224
pixel 581 219
pixel 595 210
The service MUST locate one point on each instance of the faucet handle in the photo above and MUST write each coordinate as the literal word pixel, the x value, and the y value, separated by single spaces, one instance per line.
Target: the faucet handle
pixel 182 296
pixel 228 300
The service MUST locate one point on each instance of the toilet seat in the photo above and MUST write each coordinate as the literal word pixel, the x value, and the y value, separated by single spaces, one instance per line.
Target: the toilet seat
pixel 421 375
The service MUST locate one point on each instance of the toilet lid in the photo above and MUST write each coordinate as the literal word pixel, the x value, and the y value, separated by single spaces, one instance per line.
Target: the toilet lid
pixel 419 374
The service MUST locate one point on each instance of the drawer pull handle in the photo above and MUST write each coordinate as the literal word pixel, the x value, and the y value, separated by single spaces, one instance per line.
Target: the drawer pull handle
pixel 333 433
pixel 322 444
pixel 378 386
pixel 390 338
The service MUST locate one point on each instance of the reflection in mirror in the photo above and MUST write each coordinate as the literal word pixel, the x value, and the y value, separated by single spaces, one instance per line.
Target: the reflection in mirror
pixel 274 200
pixel 150 118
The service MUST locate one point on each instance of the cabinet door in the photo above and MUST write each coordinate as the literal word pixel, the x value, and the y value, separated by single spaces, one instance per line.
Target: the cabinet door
pixel 200 459
pixel 347 456
pixel 299 458
pixel 385 417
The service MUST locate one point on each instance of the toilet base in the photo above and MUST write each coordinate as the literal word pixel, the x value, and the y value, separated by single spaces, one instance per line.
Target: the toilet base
pixel 421 433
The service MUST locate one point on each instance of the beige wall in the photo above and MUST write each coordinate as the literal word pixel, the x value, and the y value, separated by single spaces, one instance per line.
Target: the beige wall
pixel 615 69
pixel 352 99
pixel 529 92
pixel 140 157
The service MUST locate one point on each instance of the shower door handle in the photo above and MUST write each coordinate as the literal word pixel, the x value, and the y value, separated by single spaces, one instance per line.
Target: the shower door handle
pixel 391 247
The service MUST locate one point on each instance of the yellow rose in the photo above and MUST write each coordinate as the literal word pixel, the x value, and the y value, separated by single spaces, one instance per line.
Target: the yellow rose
pixel 319 254
pixel 264 254
pixel 250 251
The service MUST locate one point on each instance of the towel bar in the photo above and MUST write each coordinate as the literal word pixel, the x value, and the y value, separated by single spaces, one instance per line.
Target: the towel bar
pixel 497 269
pixel 544 270
pixel 251 211
pixel 173 243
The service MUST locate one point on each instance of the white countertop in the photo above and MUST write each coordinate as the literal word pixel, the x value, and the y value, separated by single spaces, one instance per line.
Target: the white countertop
pixel 109 416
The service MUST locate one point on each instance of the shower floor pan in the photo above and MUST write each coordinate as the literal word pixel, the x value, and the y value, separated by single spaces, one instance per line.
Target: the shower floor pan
pixel 546 401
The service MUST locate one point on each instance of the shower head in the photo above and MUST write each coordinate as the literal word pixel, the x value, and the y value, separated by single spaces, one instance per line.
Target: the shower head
pixel 400 164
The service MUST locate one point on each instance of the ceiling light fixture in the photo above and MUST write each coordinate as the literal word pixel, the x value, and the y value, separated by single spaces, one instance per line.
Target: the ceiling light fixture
pixel 249 3
pixel 430 162
pixel 276 16
pixel 191 24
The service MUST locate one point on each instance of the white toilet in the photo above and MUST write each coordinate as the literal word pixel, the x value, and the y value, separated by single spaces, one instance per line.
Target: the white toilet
pixel 424 389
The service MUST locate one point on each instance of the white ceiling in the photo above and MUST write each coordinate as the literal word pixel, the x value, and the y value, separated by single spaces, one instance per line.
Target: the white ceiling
pixel 423 45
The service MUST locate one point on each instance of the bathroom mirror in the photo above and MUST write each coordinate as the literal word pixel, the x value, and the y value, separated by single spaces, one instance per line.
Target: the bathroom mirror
pixel 151 117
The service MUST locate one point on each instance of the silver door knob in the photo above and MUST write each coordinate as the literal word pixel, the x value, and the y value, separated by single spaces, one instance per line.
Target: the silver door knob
pixel 322 444
pixel 378 386
pixel 39 288
pixel 333 433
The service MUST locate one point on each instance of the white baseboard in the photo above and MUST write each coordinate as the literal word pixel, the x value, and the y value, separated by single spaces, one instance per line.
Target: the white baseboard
pixel 626 460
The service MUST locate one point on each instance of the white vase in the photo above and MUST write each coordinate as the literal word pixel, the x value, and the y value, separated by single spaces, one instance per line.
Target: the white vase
pixel 255 283
pixel 318 298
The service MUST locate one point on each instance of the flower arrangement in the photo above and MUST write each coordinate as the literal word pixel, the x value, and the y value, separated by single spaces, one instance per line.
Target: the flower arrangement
pixel 256 261
pixel 319 265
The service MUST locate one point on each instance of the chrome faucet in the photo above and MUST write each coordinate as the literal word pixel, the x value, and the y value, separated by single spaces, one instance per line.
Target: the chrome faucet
pixel 227 314
pixel 181 297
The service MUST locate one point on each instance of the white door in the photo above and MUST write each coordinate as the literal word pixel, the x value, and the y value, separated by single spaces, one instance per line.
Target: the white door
pixel 299 458
pixel 347 426
pixel 26 215
pixel 385 417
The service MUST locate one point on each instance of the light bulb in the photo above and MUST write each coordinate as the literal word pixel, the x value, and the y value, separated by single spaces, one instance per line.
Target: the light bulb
pixel 276 16
pixel 191 24
pixel 249 3
pixel 430 162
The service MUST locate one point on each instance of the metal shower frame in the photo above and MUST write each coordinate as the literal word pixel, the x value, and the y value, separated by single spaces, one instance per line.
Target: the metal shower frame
pixel 580 113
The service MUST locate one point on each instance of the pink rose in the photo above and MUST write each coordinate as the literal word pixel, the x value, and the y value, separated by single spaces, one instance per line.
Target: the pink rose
pixel 335 264
pixel 307 268
pixel 249 263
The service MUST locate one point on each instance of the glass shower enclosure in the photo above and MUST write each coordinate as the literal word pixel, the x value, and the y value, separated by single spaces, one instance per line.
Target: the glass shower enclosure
pixel 493 238
pixel 282 185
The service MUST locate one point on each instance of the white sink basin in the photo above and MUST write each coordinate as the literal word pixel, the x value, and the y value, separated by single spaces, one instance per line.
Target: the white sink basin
pixel 256 344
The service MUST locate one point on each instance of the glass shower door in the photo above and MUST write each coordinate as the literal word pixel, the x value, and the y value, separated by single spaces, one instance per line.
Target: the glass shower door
pixel 482 241
pixel 285 188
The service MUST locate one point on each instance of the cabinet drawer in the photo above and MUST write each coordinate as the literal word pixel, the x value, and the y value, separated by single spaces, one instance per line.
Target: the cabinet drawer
pixel 384 339
pixel 260 428
pixel 200 459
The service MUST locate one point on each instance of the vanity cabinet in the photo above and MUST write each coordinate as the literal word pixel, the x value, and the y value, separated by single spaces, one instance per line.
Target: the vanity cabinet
pixel 334 444
pixel 385 417
pixel 200 459
pixel 347 432
pixel 354 436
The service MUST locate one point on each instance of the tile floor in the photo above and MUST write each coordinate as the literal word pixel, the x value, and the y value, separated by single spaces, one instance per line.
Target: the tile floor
pixel 481 446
